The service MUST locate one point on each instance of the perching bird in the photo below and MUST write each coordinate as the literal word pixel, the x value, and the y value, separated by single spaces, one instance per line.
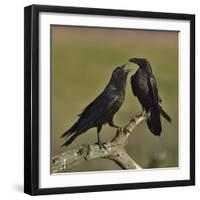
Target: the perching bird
pixel 144 86
pixel 102 109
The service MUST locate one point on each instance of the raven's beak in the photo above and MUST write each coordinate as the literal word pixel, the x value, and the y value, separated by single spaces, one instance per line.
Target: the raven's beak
pixel 133 60
pixel 125 68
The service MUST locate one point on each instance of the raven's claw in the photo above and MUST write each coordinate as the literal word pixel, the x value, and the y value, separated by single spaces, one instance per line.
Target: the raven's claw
pixel 125 130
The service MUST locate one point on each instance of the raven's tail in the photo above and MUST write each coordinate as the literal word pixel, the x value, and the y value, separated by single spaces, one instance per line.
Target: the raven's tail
pixel 153 122
pixel 165 115
pixel 70 132
pixel 70 140
pixel 76 130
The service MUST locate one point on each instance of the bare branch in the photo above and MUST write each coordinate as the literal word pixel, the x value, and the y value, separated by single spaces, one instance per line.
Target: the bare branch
pixel 114 150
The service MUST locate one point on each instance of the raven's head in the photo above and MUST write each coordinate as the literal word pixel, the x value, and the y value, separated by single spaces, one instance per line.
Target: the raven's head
pixel 121 71
pixel 119 76
pixel 142 62
pixel 139 61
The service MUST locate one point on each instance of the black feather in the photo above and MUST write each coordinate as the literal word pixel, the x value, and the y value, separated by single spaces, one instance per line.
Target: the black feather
pixel 165 115
pixel 144 86
pixel 154 123
pixel 103 108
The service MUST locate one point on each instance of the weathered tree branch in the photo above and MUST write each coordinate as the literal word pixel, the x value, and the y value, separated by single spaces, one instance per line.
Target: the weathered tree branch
pixel 114 150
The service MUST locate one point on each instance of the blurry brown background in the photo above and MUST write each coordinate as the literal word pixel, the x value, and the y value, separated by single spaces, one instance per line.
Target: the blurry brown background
pixel 82 62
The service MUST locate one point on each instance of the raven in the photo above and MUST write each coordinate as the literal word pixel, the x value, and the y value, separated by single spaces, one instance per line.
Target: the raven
pixel 144 86
pixel 103 108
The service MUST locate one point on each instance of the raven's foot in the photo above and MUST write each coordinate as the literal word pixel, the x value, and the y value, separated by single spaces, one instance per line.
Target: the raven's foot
pixel 125 130
pixel 101 145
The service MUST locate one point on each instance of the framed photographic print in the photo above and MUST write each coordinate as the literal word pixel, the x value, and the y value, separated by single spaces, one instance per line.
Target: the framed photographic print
pixel 109 99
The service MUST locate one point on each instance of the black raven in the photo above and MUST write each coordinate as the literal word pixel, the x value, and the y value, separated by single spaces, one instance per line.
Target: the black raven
pixel 144 86
pixel 103 108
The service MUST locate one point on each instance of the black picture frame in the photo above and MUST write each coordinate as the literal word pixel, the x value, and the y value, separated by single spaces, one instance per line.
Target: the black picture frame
pixel 31 98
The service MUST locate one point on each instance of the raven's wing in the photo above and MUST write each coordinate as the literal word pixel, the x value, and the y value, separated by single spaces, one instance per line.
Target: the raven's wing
pixel 153 90
pixel 153 121
pixel 103 105
pixel 99 111
pixel 134 84
pixel 156 99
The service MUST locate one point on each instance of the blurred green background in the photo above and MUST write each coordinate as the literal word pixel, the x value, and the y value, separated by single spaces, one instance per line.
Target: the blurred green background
pixel 82 62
